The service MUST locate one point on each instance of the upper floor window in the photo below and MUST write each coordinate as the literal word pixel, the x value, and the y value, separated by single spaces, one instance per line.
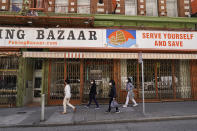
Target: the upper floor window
pixel 170 8
pixel 4 5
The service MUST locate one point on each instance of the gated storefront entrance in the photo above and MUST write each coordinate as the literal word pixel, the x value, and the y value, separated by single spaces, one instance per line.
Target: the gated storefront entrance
pixel 101 71
pixel 79 72
pixel 60 69
pixel 165 80
pixel 8 80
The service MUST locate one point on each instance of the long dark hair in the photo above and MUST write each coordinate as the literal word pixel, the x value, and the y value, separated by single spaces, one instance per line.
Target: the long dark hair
pixel 112 81
pixel 67 81
pixel 129 80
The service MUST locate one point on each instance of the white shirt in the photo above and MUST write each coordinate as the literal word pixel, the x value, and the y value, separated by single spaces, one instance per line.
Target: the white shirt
pixel 67 91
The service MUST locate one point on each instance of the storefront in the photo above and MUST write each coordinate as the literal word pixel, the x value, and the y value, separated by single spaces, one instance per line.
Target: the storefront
pixel 49 56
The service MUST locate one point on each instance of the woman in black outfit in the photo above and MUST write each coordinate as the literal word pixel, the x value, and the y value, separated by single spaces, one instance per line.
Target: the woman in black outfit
pixel 92 94
pixel 112 95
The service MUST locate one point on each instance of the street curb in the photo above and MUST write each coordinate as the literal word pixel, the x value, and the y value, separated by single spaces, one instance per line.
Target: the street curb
pixel 152 119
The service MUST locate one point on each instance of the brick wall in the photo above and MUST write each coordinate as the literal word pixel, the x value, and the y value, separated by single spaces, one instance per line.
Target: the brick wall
pixel 141 7
pixel 183 8
pixel 4 5
pixel 162 8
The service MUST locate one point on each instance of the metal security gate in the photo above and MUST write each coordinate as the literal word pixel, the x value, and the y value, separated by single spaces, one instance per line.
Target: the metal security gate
pixel 182 79
pixel 8 80
pixel 128 68
pixel 73 74
pixel 61 69
pixel 101 71
pixel 150 88
pixel 56 80
pixel 164 80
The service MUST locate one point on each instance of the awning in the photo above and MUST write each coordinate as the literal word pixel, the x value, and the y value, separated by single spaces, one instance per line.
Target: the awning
pixel 4 54
pixel 106 55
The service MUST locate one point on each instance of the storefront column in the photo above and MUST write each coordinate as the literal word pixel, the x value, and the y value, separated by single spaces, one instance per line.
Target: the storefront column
pixel 81 79
pixel 123 75
pixel 45 76
pixel 123 70
pixel 21 82
pixel 194 78
pixel 28 81
pixel 117 76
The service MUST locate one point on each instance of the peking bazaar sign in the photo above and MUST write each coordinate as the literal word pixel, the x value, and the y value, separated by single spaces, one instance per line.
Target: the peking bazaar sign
pixel 51 37
pixel 96 38
pixel 167 40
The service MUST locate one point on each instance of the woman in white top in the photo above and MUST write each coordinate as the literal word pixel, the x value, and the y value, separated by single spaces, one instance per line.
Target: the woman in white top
pixel 67 97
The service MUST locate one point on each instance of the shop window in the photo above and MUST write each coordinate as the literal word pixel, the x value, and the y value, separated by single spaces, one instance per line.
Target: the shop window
pixel 8 80
pixel 182 79
pixel 101 71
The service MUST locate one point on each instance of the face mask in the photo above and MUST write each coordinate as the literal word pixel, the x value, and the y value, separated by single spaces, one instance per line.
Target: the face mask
pixel 126 81
pixel 91 82
pixel 110 84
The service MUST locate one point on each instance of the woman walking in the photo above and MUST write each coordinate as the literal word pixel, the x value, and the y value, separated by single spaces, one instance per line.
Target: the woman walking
pixel 130 93
pixel 92 94
pixel 67 97
pixel 112 95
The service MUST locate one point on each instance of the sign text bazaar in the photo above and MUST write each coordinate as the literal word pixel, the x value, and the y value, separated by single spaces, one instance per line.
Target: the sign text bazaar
pixel 50 35
pixel 54 37
pixel 96 38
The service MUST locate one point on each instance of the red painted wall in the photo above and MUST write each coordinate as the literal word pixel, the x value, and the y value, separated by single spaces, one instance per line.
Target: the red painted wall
pixel 194 6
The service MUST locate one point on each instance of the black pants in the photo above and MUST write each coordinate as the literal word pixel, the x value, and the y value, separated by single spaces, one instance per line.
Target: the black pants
pixel 109 109
pixel 92 96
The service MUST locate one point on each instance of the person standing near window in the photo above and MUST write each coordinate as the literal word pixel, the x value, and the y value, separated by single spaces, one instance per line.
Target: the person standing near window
pixel 67 97
pixel 130 93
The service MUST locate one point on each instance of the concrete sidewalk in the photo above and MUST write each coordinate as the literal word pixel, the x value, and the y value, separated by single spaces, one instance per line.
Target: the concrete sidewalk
pixel 30 116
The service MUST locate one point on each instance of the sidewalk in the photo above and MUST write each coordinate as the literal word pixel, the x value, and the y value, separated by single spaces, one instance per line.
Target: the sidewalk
pixel 30 116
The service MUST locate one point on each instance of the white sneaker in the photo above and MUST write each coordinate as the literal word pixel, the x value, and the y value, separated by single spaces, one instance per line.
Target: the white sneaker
pixel 118 111
pixel 124 106
pixel 135 104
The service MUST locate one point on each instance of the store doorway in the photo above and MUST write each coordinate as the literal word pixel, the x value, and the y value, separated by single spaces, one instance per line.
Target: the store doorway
pixel 37 80
pixel 61 69
pixel 101 71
